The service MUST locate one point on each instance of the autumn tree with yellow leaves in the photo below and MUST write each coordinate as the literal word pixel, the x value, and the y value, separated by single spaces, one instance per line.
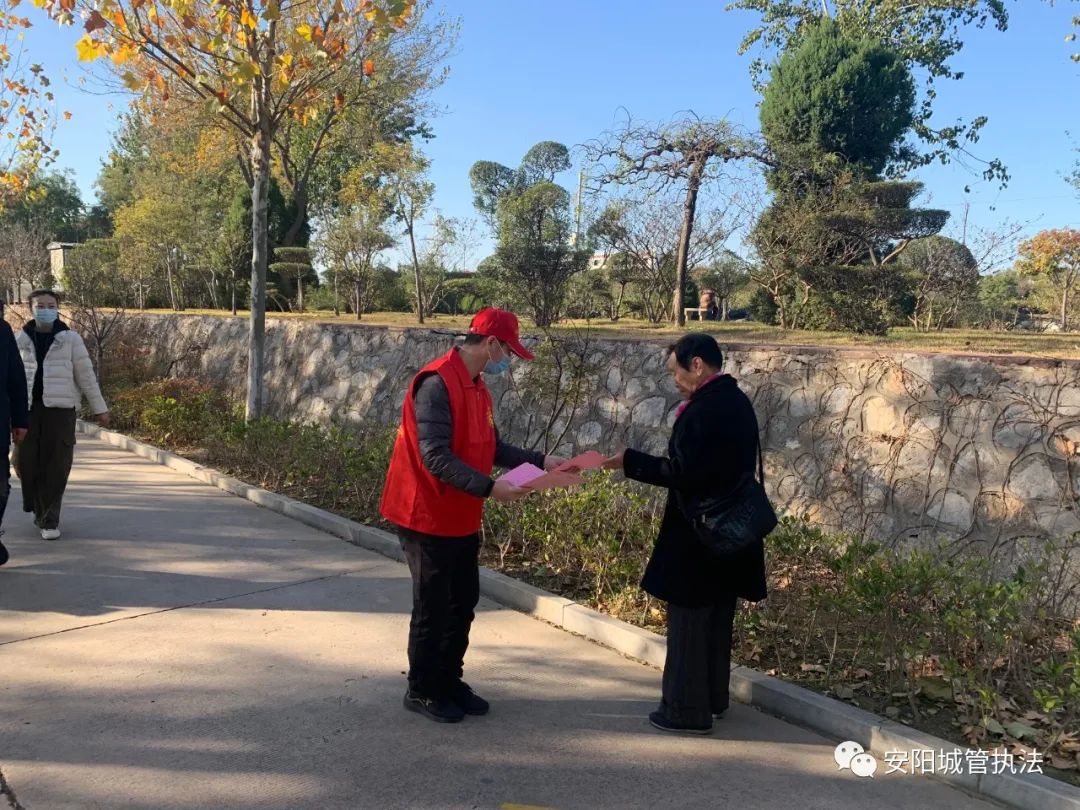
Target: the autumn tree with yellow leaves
pixel 26 106
pixel 1054 256
pixel 257 64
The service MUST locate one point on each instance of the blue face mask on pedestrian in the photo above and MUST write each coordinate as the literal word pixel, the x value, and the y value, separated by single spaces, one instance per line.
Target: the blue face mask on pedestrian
pixel 497 366
pixel 45 316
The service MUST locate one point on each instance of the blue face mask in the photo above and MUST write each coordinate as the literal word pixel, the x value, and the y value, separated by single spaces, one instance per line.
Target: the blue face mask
pixel 497 366
pixel 45 316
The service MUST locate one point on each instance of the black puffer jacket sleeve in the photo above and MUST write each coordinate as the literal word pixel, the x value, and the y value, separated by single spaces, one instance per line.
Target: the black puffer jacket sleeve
pixel 508 456
pixel 434 430
pixel 16 379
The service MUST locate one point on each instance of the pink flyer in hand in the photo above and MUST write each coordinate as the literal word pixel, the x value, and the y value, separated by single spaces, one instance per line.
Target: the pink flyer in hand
pixel 521 475
pixel 555 480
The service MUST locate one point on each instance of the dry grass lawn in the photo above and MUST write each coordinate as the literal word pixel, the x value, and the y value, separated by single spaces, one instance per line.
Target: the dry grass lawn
pixel 903 338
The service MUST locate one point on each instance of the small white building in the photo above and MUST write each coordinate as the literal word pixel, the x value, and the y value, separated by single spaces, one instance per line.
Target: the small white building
pixel 599 259
pixel 58 253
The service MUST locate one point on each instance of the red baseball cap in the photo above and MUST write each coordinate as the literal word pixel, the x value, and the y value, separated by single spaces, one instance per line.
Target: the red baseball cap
pixel 499 323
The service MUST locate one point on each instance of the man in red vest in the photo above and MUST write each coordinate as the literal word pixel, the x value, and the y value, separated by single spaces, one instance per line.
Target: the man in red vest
pixel 439 477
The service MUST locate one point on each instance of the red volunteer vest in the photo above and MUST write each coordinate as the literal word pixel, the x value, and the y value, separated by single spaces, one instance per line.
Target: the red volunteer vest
pixel 413 497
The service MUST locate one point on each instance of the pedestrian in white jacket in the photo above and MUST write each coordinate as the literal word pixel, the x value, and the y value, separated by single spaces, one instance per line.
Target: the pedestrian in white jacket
pixel 58 375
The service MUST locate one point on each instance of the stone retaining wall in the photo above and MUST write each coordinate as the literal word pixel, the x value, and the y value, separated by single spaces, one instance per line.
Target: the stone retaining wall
pixel 904 446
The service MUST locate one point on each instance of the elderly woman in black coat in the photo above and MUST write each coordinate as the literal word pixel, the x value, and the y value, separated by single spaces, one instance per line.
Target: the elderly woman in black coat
pixel 714 442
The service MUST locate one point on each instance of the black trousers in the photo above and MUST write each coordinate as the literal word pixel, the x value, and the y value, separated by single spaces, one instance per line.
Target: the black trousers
pixel 5 481
pixel 446 588
pixel 43 462
pixel 697 669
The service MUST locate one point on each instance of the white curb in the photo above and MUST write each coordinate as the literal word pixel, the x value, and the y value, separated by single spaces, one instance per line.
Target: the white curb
pixel 832 718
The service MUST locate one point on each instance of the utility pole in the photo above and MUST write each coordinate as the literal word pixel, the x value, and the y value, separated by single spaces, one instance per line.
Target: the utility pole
pixel 577 208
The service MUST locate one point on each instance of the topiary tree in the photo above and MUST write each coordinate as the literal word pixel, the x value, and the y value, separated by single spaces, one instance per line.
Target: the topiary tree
pixel 294 265
pixel 835 115
pixel 534 257
pixel 838 97
pixel 942 277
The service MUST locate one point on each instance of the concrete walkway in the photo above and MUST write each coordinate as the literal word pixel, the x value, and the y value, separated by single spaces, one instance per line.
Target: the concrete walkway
pixel 182 648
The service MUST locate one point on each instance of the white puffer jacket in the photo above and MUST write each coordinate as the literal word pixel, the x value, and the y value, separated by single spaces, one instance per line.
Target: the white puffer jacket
pixel 68 375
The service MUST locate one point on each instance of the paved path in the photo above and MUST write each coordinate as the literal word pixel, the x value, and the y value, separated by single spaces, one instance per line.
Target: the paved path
pixel 182 648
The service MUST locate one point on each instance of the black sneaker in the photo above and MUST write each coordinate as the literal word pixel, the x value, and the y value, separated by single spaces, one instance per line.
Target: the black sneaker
pixel 659 721
pixel 470 702
pixel 441 711
pixel 718 715
pixel 3 553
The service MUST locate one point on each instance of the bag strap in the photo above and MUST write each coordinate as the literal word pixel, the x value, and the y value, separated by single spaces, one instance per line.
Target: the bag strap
pixel 760 464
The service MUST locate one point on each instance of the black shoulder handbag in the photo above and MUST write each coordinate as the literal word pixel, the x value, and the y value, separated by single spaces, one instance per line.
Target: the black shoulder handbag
pixel 735 522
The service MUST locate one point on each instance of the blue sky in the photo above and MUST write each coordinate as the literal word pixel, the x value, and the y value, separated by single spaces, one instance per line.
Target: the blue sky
pixel 566 70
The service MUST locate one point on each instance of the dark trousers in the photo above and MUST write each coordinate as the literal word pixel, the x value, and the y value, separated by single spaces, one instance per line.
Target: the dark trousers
pixel 446 588
pixel 5 481
pixel 43 462
pixel 697 669
pixel 5 490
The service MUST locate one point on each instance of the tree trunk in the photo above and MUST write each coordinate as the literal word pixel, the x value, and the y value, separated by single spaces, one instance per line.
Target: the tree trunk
pixel 172 286
pixel 300 293
pixel 693 183
pixel 214 299
pixel 260 194
pixel 359 305
pixel 234 285
pixel 337 309
pixel 419 277
pixel 300 202
pixel 617 311
pixel 1065 309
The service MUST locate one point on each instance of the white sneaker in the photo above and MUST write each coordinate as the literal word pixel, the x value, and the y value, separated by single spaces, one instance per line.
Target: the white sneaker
pixel 50 534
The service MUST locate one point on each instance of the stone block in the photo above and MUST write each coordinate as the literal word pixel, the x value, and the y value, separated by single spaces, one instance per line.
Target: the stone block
pixel 523 596
pixel 649 412
pixel 376 540
pixel 829 716
pixel 1031 479
pixel 620 636
pixel 588 435
pixel 889 737
pixel 1030 791
pixel 318 518
pixel 614 380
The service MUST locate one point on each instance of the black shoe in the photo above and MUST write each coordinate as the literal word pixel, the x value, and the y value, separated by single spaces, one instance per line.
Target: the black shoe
pixel 659 721
pixel 3 554
pixel 441 711
pixel 470 702
pixel 718 715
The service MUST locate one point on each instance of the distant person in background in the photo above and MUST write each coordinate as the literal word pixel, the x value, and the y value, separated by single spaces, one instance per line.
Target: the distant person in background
pixel 58 375
pixel 707 301
pixel 14 415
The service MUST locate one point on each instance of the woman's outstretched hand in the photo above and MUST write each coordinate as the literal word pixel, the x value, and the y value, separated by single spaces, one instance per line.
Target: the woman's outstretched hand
pixel 615 462
pixel 553 462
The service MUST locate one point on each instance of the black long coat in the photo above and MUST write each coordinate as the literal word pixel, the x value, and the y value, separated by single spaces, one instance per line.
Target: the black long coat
pixel 13 397
pixel 712 443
